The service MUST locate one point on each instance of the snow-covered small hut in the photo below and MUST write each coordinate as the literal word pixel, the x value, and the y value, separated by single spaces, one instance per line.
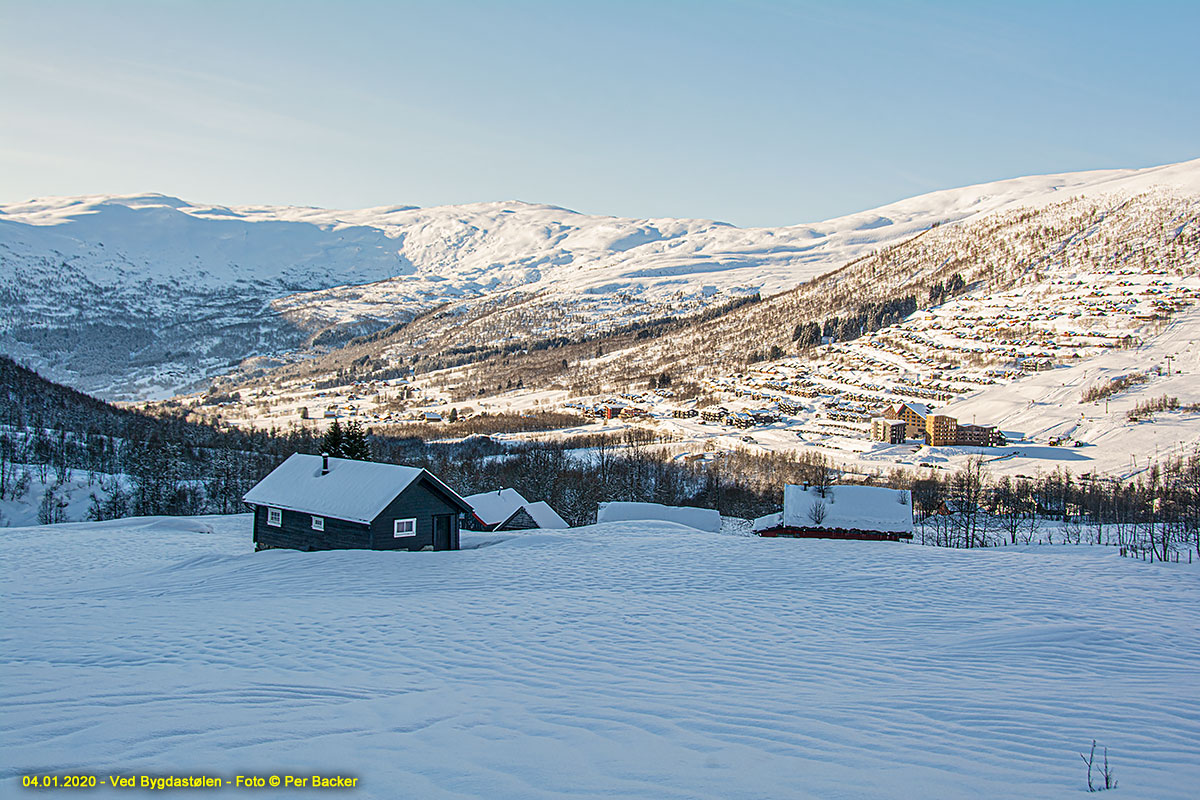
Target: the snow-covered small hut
pixel 545 516
pixel 508 510
pixel 705 519
pixel 840 512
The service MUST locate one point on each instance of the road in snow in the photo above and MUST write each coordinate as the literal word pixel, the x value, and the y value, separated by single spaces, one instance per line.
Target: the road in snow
pixel 622 660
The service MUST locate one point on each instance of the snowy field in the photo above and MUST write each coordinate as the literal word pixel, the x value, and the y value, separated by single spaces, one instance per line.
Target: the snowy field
pixel 620 660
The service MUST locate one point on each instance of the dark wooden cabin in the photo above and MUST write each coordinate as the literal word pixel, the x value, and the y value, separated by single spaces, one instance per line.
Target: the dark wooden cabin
pixel 320 503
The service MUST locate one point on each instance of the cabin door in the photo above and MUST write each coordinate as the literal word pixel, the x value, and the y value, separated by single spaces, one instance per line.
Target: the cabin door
pixel 443 531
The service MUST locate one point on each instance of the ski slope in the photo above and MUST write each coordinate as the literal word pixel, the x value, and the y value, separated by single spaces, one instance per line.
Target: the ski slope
pixel 620 660
pixel 1048 405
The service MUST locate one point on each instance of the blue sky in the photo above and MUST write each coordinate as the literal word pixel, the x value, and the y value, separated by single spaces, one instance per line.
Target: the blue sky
pixel 756 113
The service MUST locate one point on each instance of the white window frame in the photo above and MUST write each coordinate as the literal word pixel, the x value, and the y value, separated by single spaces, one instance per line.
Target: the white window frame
pixel 396 528
pixel 275 517
pixel 318 523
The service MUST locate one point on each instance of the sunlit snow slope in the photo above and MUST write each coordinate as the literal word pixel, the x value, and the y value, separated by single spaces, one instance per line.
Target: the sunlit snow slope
pixel 620 660
pixel 138 296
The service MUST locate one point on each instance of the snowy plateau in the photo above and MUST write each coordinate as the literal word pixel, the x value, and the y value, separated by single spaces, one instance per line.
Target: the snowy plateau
pixel 616 660
pixel 144 296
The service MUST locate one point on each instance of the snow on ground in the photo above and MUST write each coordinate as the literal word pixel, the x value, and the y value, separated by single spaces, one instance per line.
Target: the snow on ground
pixel 702 519
pixel 619 660
pixel 75 492
pixel 1047 405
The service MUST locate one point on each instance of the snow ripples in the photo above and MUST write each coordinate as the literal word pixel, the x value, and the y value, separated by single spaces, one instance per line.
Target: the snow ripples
pixel 614 661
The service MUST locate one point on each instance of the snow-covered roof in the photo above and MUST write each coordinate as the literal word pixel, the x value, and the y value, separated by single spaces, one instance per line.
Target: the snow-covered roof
pixel 496 507
pixel 352 490
pixel 767 522
pixel 865 508
pixel 545 516
pixel 705 519
pixel 920 408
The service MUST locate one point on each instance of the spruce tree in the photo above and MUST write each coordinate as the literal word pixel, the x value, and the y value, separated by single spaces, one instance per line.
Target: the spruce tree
pixel 354 444
pixel 333 443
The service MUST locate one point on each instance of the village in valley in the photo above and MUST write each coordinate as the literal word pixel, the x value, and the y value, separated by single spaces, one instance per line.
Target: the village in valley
pixel 959 378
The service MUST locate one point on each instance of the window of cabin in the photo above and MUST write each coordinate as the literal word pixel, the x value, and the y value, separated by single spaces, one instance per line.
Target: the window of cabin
pixel 275 517
pixel 404 527
pixel 318 523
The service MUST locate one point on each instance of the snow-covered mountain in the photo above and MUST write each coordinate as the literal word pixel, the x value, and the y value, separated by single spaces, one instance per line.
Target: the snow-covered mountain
pixel 141 296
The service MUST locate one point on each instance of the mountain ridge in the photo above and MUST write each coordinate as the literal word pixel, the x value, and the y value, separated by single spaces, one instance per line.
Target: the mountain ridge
pixel 144 295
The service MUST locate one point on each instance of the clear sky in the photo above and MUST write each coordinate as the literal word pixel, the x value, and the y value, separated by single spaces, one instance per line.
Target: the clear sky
pixel 756 113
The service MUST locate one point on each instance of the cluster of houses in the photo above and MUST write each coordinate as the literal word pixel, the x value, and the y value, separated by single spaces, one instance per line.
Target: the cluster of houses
pixel 352 412
pixel 612 408
pixel 905 421
pixel 866 412
pixel 750 418
pixel 320 503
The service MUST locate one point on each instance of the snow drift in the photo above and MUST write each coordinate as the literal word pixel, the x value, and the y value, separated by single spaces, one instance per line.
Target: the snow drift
pixel 703 519
pixel 626 659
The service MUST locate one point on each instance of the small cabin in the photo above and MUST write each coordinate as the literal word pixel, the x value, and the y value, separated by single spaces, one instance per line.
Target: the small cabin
pixel 508 510
pixel 322 503
pixel 703 519
pixel 840 512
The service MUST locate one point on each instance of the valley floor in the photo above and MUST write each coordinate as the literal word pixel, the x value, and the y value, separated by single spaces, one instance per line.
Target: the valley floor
pixel 618 660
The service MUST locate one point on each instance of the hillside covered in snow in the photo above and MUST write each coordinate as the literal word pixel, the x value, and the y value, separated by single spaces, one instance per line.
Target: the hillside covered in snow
pixel 142 296
pixel 1014 319
pixel 625 659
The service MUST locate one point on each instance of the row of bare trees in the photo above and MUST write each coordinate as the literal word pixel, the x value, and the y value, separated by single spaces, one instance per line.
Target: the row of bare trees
pixel 1157 510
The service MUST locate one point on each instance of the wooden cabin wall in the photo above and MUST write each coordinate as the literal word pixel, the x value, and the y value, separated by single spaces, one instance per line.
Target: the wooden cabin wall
pixel 296 532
